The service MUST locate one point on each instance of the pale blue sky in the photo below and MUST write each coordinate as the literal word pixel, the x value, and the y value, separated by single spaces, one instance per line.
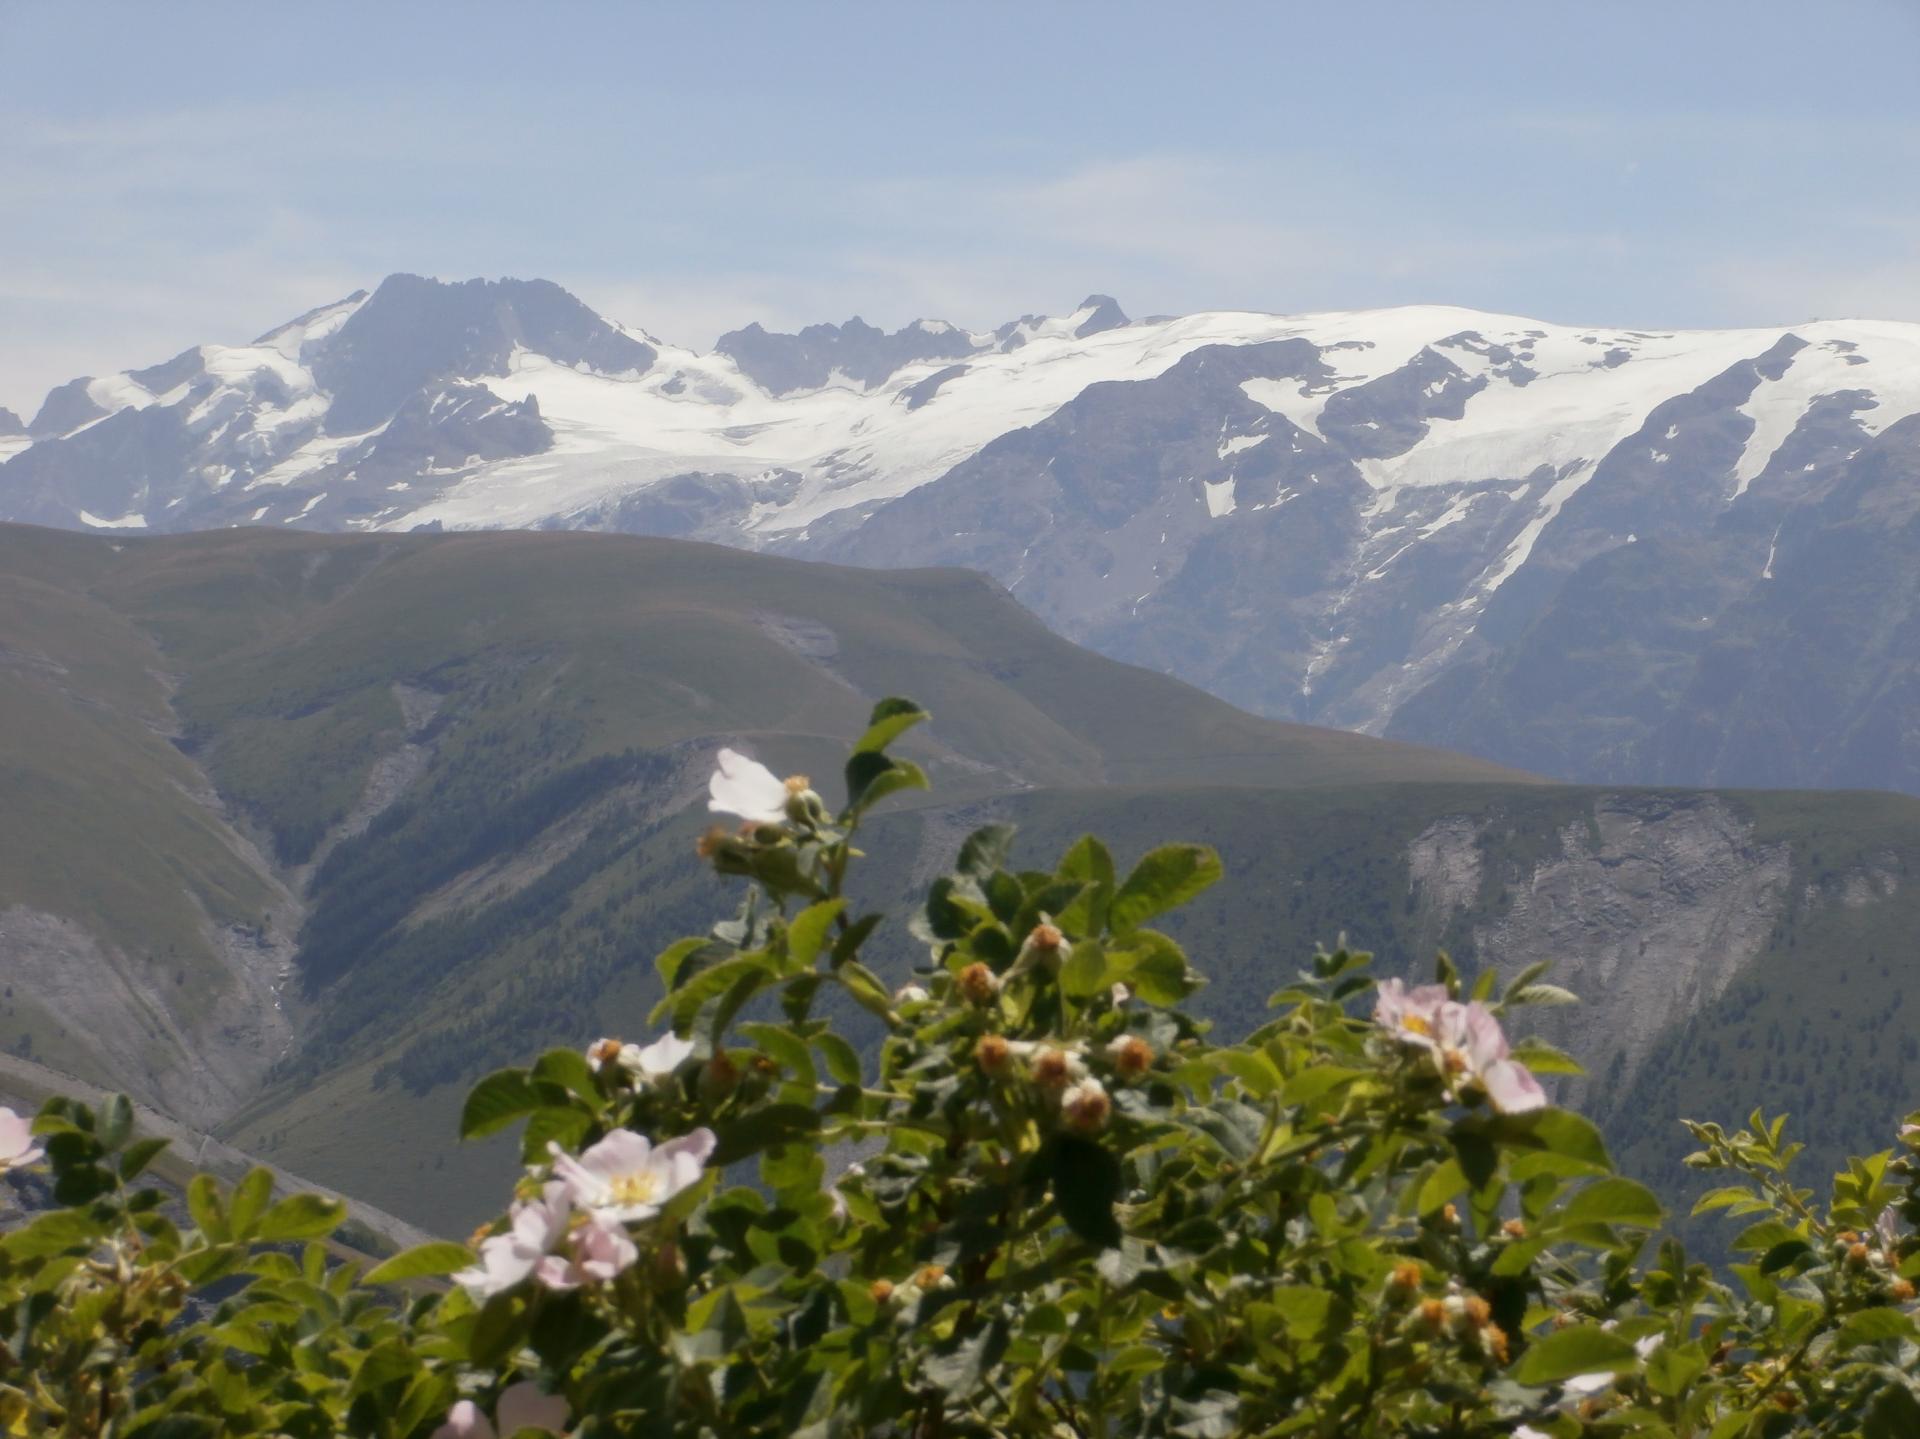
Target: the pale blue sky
pixel 202 172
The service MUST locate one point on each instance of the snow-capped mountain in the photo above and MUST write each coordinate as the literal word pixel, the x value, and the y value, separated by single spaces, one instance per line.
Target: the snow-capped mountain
pixel 1600 553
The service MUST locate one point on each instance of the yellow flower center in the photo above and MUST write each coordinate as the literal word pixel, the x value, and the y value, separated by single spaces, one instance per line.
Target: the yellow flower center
pixel 635 1188
pixel 1416 1024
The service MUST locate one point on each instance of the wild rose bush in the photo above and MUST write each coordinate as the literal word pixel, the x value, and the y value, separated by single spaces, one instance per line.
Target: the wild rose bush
pixel 1050 1204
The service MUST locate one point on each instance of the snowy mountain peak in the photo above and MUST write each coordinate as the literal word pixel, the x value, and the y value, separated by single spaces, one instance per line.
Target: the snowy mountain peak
pixel 1334 517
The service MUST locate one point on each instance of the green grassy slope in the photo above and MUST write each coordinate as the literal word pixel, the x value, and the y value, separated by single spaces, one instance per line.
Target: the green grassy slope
pixel 103 834
pixel 535 715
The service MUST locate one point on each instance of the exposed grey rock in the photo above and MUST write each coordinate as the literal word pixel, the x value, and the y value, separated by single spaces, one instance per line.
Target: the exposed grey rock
pixel 66 408
pixel 781 364
pixel 918 394
pixel 183 368
pixel 1107 315
pixel 412 331
pixel 1651 906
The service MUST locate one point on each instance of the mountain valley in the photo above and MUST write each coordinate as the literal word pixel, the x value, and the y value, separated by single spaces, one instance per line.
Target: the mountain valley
pixel 309 831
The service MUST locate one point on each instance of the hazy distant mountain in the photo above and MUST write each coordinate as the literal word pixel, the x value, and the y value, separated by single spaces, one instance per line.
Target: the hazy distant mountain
pixel 1687 557
pixel 305 832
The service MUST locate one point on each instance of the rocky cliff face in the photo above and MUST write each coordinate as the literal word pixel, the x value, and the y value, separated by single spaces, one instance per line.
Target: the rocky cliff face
pixel 1648 905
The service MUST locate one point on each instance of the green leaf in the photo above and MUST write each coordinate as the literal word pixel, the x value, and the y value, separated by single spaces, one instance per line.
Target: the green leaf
pixel 1578 1349
pixel 985 851
pixel 1153 966
pixel 389 1362
pixel 685 1003
pixel 1554 1131
pixel 248 1201
pixel 423 1261
pixel 1085 972
pixel 1164 878
pixel 1613 1201
pixel 1871 1326
pixel 301 1216
pixel 1086 1183
pixel 842 1060
pixel 1253 1069
pixel 891 718
pixel 139 1155
pixel 203 1203
pixel 569 1069
pixel 871 777
pixel 1302 1308
pixel 52 1233
pixel 498 1100
pixel 1543 1058
pixel 786 1047
pixel 957 1365
pixel 1319 1079
pixel 675 956
pixel 116 1122
pixel 1673 1367
pixel 809 931
pixel 1087 861
pixel 1784 1254
pixel 865 986
pixel 852 937
pixel 1893 1414
pixel 1724 1197
pixel 762 1128
pixel 1541 994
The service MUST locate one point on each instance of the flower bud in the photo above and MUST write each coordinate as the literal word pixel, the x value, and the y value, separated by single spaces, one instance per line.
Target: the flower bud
pixel 1047 947
pixel 881 1290
pixel 1132 1056
pixel 1055 1069
pixel 1901 1291
pixel 1514 1229
pixel 978 984
pixel 1494 1340
pixel 994 1055
pixel 1433 1315
pixel 1857 1256
pixel 719 1077
pixel 804 807
pixel 1478 1312
pixel 933 1276
pixel 602 1052
pixel 1085 1107
pixel 910 994
pixel 1404 1279
pixel 1120 994
pixel 1450 1216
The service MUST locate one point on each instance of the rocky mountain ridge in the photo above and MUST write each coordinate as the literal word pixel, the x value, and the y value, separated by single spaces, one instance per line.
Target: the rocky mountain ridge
pixel 1616 556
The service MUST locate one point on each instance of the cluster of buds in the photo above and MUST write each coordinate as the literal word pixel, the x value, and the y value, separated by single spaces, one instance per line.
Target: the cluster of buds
pixel 1057 1071
pixel 902 1296
pixel 1457 1315
pixel 1878 1251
